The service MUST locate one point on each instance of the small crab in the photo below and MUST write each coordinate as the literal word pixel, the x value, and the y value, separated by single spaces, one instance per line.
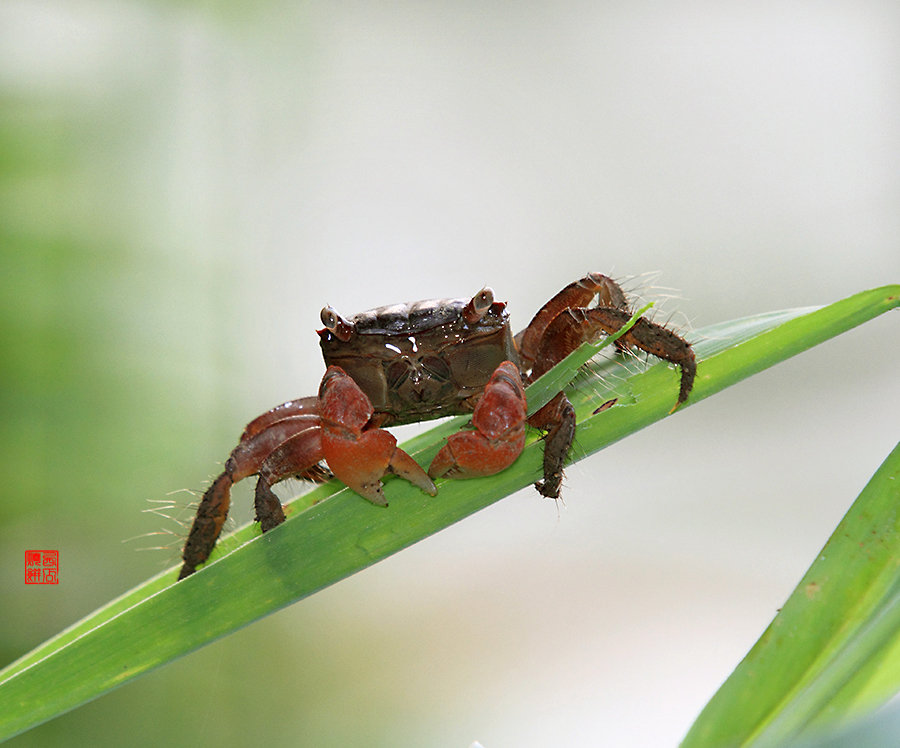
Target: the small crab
pixel 413 362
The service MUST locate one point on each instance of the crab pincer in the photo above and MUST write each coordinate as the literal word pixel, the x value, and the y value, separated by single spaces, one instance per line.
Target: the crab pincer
pixel 358 454
pixel 499 435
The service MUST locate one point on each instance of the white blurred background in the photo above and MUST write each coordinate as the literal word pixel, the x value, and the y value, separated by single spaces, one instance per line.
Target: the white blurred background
pixel 220 171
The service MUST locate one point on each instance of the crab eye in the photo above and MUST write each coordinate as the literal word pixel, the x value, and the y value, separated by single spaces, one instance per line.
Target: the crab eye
pixel 478 305
pixel 329 317
pixel 337 325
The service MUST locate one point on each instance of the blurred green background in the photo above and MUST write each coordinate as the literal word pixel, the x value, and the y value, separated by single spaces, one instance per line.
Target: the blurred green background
pixel 184 185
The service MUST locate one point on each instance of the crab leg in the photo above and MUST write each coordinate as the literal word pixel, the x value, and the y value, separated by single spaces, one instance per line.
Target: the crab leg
pixel 248 458
pixel 293 457
pixel 557 418
pixel 302 406
pixel 499 435
pixel 563 324
pixel 357 455
pixel 577 294
pixel 576 326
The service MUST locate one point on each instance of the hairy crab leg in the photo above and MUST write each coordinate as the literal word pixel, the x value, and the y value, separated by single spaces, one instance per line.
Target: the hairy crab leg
pixel 499 435
pixel 357 453
pixel 576 326
pixel 246 459
pixel 577 294
pixel 557 418
pixel 564 323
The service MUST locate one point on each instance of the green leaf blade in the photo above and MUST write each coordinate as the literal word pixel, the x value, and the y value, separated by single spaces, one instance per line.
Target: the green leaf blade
pixel 251 576
pixel 833 651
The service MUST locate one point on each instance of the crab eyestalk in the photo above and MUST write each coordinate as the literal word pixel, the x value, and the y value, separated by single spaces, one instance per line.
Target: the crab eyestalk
pixel 336 324
pixel 478 306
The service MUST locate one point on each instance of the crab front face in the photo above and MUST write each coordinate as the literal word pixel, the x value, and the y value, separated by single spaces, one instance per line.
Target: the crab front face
pixel 421 360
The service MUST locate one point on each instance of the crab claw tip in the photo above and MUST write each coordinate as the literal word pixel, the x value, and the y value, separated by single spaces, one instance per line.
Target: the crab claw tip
pixel 406 467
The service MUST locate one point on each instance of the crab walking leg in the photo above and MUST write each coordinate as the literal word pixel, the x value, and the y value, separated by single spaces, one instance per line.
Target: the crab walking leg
pixel 360 456
pixel 569 329
pixel 207 524
pixel 293 457
pixel 557 418
pixel 246 459
pixel 576 326
pixel 577 294
pixel 302 406
pixel 499 435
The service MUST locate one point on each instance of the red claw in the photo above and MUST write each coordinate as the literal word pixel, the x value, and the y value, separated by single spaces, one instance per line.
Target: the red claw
pixel 358 456
pixel 499 435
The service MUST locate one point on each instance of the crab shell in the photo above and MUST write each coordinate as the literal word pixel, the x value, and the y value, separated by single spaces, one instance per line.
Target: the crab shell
pixel 424 359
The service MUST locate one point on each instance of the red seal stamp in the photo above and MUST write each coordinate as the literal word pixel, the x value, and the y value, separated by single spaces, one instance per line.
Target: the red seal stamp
pixel 41 567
